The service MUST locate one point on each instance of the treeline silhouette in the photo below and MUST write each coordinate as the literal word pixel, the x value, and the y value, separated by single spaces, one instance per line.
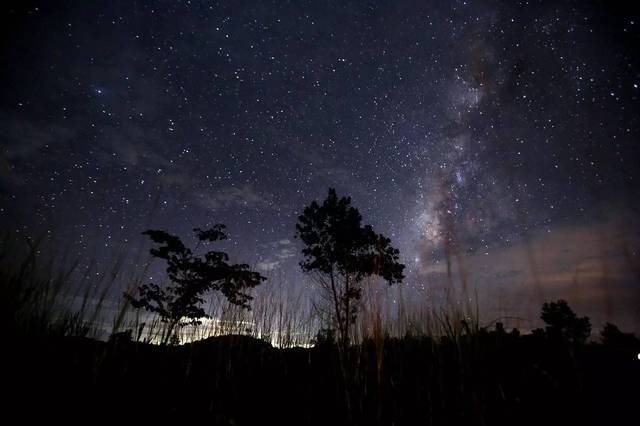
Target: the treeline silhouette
pixel 468 375
pixel 482 376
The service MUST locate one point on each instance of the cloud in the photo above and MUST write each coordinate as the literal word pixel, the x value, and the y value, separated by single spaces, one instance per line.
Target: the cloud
pixel 267 266
pixel 133 146
pixel 23 138
pixel 591 265
pixel 281 251
pixel 233 196
pixel 22 144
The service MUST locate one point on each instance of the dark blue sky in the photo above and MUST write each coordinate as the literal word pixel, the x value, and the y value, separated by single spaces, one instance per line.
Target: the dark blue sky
pixel 503 135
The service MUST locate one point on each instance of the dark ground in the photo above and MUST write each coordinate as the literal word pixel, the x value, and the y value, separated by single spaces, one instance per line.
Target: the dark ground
pixel 487 378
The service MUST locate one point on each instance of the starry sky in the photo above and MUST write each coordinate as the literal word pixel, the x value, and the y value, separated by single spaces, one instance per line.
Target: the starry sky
pixel 496 143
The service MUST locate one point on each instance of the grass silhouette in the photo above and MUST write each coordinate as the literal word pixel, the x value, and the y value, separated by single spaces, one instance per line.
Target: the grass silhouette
pixel 73 352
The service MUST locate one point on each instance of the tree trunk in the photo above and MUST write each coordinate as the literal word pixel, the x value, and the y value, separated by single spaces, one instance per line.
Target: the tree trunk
pixel 347 318
pixel 342 353
pixel 336 302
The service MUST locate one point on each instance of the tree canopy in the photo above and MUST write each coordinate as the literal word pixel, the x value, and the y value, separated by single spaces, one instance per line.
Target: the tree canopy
pixel 343 252
pixel 563 323
pixel 192 277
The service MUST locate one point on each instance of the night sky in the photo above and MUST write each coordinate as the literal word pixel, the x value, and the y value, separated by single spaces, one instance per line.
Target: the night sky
pixel 502 135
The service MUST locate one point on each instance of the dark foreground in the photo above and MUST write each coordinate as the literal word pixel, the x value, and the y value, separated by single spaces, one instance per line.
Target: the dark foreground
pixel 488 378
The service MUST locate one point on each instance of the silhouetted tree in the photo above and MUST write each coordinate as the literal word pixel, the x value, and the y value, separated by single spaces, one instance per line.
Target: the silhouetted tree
pixel 612 336
pixel 342 253
pixel 192 277
pixel 325 337
pixel 562 323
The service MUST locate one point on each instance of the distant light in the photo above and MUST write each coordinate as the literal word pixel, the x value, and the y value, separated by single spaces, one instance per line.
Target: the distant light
pixel 638 357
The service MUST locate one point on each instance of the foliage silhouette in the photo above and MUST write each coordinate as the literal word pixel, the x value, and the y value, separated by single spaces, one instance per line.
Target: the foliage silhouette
pixel 192 277
pixel 564 324
pixel 342 253
pixel 612 336
pixel 325 337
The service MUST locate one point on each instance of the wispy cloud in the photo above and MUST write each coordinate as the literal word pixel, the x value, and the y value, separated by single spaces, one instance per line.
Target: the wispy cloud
pixel 589 265
pixel 22 138
pixel 281 251
pixel 233 196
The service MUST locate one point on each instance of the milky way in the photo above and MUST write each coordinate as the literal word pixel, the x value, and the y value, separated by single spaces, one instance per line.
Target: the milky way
pixel 502 135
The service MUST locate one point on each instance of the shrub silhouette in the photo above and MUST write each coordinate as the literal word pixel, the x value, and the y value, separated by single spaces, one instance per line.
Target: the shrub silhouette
pixel 192 277
pixel 563 324
pixel 342 253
